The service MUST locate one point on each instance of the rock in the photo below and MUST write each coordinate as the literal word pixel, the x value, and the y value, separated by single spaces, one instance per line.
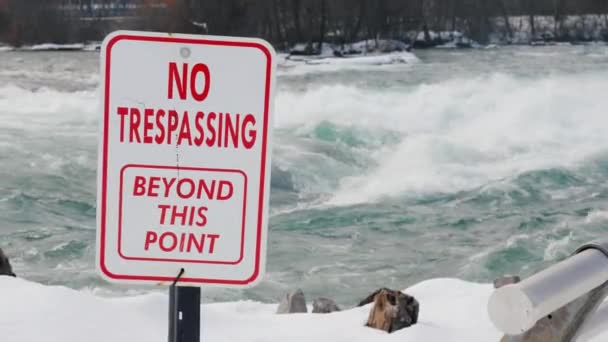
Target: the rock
pixel 506 280
pixel 324 305
pixel 5 265
pixel 293 302
pixel 392 310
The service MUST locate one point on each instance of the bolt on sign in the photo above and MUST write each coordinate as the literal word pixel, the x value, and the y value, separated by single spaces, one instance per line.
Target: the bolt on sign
pixel 184 158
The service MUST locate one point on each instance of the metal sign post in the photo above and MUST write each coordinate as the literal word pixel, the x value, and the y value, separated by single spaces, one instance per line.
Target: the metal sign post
pixel 184 312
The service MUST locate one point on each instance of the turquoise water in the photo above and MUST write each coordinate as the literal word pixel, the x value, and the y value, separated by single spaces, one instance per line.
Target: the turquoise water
pixel 465 164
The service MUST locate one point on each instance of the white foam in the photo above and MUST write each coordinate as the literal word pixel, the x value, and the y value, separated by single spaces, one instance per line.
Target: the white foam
pixel 460 134
pixel 340 104
pixel 596 216
pixel 558 248
pixel 455 135
pixel 44 108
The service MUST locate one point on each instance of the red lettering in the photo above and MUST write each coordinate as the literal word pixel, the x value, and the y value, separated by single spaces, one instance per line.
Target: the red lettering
pixel 180 81
pixel 180 189
pixel 161 128
pixel 232 131
pixel 139 186
pixel 248 135
pixel 202 185
pixel 148 125
pixel 163 212
pixel 153 186
pixel 202 217
pixel 198 141
pixel 188 242
pixel 212 244
pixel 168 185
pixel 182 238
pixel 199 68
pixel 219 129
pixel 193 241
pixel 175 214
pixel 135 121
pixel 210 126
pixel 172 244
pixel 184 132
pixel 173 124
pixel 151 237
pixel 122 111
pixel 213 129
pixel 221 196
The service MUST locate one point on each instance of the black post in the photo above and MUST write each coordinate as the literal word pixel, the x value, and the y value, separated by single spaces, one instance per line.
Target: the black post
pixel 184 313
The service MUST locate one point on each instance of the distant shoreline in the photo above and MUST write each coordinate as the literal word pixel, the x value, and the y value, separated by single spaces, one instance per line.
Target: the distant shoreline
pixel 96 46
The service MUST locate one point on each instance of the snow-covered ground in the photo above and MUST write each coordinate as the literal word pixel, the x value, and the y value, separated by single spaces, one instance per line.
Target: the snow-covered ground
pixel 450 310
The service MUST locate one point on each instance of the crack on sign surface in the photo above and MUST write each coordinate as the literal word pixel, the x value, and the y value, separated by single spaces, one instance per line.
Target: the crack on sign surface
pixel 177 154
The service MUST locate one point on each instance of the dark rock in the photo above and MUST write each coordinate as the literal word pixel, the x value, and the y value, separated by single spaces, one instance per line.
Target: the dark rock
pixel 370 298
pixel 392 310
pixel 293 302
pixel 5 265
pixel 506 280
pixel 324 305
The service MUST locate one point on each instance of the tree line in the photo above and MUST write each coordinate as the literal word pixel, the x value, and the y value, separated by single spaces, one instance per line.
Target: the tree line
pixel 287 22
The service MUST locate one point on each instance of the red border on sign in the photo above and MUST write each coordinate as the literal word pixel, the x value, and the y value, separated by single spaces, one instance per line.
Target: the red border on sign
pixel 242 248
pixel 104 156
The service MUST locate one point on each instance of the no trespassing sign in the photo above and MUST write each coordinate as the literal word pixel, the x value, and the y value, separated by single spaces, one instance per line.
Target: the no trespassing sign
pixel 184 158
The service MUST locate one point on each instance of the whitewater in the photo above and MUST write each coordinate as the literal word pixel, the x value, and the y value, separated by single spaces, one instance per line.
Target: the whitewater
pixel 447 164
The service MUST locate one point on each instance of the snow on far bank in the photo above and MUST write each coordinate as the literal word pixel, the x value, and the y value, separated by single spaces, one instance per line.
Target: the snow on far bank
pixel 451 310
pixel 379 59
pixel 294 65
pixel 54 47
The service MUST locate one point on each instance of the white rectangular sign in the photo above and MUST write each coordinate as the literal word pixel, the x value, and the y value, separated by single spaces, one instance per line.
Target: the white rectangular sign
pixel 184 158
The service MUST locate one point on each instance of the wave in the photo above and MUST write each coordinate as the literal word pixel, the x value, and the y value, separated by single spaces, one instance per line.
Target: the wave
pixel 461 134
pixel 348 144
pixel 44 108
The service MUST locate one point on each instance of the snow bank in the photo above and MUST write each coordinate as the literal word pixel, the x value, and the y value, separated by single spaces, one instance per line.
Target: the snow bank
pixel 389 58
pixel 304 49
pixel 93 46
pixel 295 65
pixel 376 45
pixel 33 312
pixel 450 310
pixel 364 47
pixel 53 47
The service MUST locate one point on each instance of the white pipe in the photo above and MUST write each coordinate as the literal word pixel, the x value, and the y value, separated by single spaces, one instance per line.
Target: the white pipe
pixel 515 308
